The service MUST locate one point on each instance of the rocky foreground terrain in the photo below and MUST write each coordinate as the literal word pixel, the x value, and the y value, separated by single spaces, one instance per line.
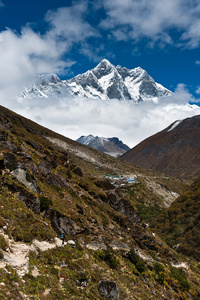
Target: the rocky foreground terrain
pixel 51 185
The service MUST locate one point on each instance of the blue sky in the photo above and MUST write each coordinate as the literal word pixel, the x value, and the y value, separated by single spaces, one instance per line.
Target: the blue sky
pixel 69 37
pixel 163 37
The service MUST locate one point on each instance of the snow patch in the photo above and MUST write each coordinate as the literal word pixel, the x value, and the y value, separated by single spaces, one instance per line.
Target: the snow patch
pixel 174 125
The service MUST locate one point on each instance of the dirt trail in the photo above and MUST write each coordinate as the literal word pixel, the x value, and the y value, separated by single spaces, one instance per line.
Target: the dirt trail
pixel 16 255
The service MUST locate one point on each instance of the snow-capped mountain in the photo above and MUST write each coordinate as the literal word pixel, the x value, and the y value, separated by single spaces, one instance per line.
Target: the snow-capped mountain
pixel 104 82
pixel 112 146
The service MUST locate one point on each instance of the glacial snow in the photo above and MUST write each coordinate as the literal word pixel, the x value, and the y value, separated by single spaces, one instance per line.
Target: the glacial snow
pixel 104 82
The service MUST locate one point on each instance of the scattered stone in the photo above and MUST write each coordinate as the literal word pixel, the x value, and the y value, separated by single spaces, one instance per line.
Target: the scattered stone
pixel 46 292
pixel 72 243
pixel 3 135
pixel 80 209
pixel 78 171
pixel 35 272
pixel 33 144
pixel 96 246
pixel 109 289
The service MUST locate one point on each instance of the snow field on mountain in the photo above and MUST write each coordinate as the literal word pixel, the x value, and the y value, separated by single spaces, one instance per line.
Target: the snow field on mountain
pixel 74 107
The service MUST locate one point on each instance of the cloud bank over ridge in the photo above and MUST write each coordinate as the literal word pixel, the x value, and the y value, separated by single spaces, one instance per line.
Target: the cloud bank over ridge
pixel 128 121
pixel 76 28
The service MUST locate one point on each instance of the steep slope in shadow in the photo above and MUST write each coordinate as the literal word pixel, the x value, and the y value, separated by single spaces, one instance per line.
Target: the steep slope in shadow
pixel 174 151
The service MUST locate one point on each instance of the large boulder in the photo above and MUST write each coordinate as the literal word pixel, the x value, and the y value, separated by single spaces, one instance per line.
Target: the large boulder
pixel 109 289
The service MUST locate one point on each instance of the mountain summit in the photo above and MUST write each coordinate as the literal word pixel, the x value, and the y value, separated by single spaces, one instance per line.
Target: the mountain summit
pixel 103 82
pixel 112 146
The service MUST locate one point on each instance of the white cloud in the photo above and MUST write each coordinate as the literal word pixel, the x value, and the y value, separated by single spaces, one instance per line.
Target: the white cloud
pixel 128 121
pixel 134 19
pixel 69 23
pixel 28 53
pixel 182 95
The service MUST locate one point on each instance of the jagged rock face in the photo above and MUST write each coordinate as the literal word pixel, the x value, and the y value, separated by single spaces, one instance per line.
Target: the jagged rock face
pixel 109 289
pixel 109 82
pixel 104 82
pixel 112 146
pixel 119 143
pixel 174 151
pixel 122 206
pixel 61 223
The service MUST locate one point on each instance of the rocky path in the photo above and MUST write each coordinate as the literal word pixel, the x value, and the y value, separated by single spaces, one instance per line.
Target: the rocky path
pixel 16 255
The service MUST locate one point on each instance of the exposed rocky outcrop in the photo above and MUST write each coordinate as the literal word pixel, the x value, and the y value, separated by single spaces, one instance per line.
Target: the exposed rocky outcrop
pixel 122 206
pixel 22 176
pixel 109 289
pixel 61 223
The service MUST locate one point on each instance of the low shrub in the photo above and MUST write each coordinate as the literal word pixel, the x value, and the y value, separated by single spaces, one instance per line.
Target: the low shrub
pixel 179 275
pixel 44 203
pixel 3 243
pixel 159 272
pixel 109 257
pixel 137 261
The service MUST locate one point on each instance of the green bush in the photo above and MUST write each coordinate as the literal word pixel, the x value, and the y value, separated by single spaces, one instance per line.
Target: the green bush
pixel 159 270
pixel 137 261
pixel 1 255
pixel 109 257
pixel 45 203
pixel 140 266
pixel 3 243
pixel 179 275
pixel 69 173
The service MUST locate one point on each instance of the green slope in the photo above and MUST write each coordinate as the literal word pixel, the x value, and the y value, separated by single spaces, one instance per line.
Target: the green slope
pixel 179 225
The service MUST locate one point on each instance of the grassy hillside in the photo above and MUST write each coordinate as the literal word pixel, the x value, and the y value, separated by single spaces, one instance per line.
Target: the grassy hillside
pixel 50 185
pixel 179 225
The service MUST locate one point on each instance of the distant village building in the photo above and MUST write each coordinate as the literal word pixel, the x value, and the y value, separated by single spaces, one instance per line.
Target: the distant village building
pixel 130 180
pixel 115 177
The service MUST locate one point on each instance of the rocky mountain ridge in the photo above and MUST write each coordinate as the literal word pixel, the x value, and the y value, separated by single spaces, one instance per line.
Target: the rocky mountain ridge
pixel 112 146
pixel 174 150
pixel 103 82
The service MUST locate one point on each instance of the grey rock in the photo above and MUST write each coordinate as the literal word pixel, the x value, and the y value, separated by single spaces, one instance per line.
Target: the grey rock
pixel 3 135
pixel 109 289
pixel 30 200
pixel 61 223
pixel 57 180
pixel 46 167
pixel 21 175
